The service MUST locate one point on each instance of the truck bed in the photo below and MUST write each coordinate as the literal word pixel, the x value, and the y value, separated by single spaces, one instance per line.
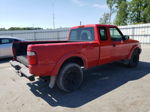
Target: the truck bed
pixel 20 49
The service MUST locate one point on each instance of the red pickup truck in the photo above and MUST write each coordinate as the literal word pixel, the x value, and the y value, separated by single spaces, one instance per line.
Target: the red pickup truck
pixel 63 61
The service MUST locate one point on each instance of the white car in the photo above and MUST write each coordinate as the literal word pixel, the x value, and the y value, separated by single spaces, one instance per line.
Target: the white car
pixel 6 46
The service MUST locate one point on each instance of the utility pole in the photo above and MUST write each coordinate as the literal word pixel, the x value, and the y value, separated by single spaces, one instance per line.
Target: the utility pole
pixel 80 23
pixel 53 15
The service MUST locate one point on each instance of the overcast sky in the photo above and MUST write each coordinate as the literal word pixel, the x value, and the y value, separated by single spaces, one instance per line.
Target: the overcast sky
pixel 38 13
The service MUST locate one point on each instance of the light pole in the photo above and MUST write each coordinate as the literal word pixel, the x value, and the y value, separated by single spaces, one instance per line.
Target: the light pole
pixel 53 15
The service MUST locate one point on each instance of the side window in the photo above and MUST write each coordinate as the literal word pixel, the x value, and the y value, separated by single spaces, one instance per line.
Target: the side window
pixel 103 34
pixel 15 40
pixel 5 41
pixel 115 34
pixel 11 40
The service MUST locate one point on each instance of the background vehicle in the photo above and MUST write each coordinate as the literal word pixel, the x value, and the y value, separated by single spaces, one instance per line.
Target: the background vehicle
pixel 88 46
pixel 6 46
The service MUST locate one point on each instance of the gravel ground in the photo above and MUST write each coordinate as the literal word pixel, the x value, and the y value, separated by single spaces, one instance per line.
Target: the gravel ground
pixel 108 88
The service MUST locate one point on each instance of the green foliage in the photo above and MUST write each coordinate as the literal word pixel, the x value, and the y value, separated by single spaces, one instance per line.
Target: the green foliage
pixel 139 11
pixel 24 28
pixel 111 6
pixel 133 12
pixel 111 3
pixel 2 29
pixel 122 14
pixel 146 12
pixel 20 28
pixel 118 3
pixel 105 19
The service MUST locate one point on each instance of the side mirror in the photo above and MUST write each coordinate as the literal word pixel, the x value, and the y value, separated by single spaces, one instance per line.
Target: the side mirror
pixel 126 37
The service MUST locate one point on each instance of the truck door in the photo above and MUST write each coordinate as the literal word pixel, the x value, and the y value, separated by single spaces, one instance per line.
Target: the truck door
pixel 106 46
pixel 121 47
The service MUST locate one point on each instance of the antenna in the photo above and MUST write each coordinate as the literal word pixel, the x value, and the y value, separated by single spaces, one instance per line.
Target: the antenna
pixel 53 6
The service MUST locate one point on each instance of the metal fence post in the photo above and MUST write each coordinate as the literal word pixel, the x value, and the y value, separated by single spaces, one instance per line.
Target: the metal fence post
pixel 34 33
pixel 11 34
pixel 58 36
pixel 133 32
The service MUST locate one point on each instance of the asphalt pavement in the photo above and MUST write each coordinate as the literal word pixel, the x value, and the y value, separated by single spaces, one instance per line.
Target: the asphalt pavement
pixel 108 88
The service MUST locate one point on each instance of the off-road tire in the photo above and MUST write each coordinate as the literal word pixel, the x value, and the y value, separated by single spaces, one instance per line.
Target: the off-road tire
pixel 133 62
pixel 70 77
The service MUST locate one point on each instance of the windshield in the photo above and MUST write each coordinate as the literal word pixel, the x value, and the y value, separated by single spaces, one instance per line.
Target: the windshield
pixel 82 34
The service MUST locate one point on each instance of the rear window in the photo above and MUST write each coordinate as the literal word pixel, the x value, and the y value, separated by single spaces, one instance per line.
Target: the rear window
pixel 82 34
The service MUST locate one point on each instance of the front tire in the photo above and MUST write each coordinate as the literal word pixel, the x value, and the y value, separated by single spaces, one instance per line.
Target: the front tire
pixel 70 77
pixel 133 62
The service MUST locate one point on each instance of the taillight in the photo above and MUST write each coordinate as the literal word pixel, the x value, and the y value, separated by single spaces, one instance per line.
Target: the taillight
pixel 32 58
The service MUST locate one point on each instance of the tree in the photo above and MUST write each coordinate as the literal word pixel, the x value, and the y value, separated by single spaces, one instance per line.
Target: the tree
pixel 146 13
pixel 122 14
pixel 133 12
pixel 2 29
pixel 111 6
pixel 104 19
pixel 118 3
pixel 25 28
pixel 139 11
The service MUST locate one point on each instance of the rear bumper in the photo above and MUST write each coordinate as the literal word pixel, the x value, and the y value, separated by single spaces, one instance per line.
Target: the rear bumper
pixel 22 70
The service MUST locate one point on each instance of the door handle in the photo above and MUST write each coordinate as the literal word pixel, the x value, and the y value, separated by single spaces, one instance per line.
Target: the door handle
pixel 114 45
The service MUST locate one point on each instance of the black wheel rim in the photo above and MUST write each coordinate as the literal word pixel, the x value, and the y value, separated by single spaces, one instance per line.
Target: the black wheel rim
pixel 72 79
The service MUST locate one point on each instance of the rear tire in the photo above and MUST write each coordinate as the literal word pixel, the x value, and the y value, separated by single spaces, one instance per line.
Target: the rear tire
pixel 133 62
pixel 70 77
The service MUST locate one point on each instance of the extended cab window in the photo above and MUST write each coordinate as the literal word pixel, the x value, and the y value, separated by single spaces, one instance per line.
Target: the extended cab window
pixel 103 34
pixel 82 34
pixel 115 34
